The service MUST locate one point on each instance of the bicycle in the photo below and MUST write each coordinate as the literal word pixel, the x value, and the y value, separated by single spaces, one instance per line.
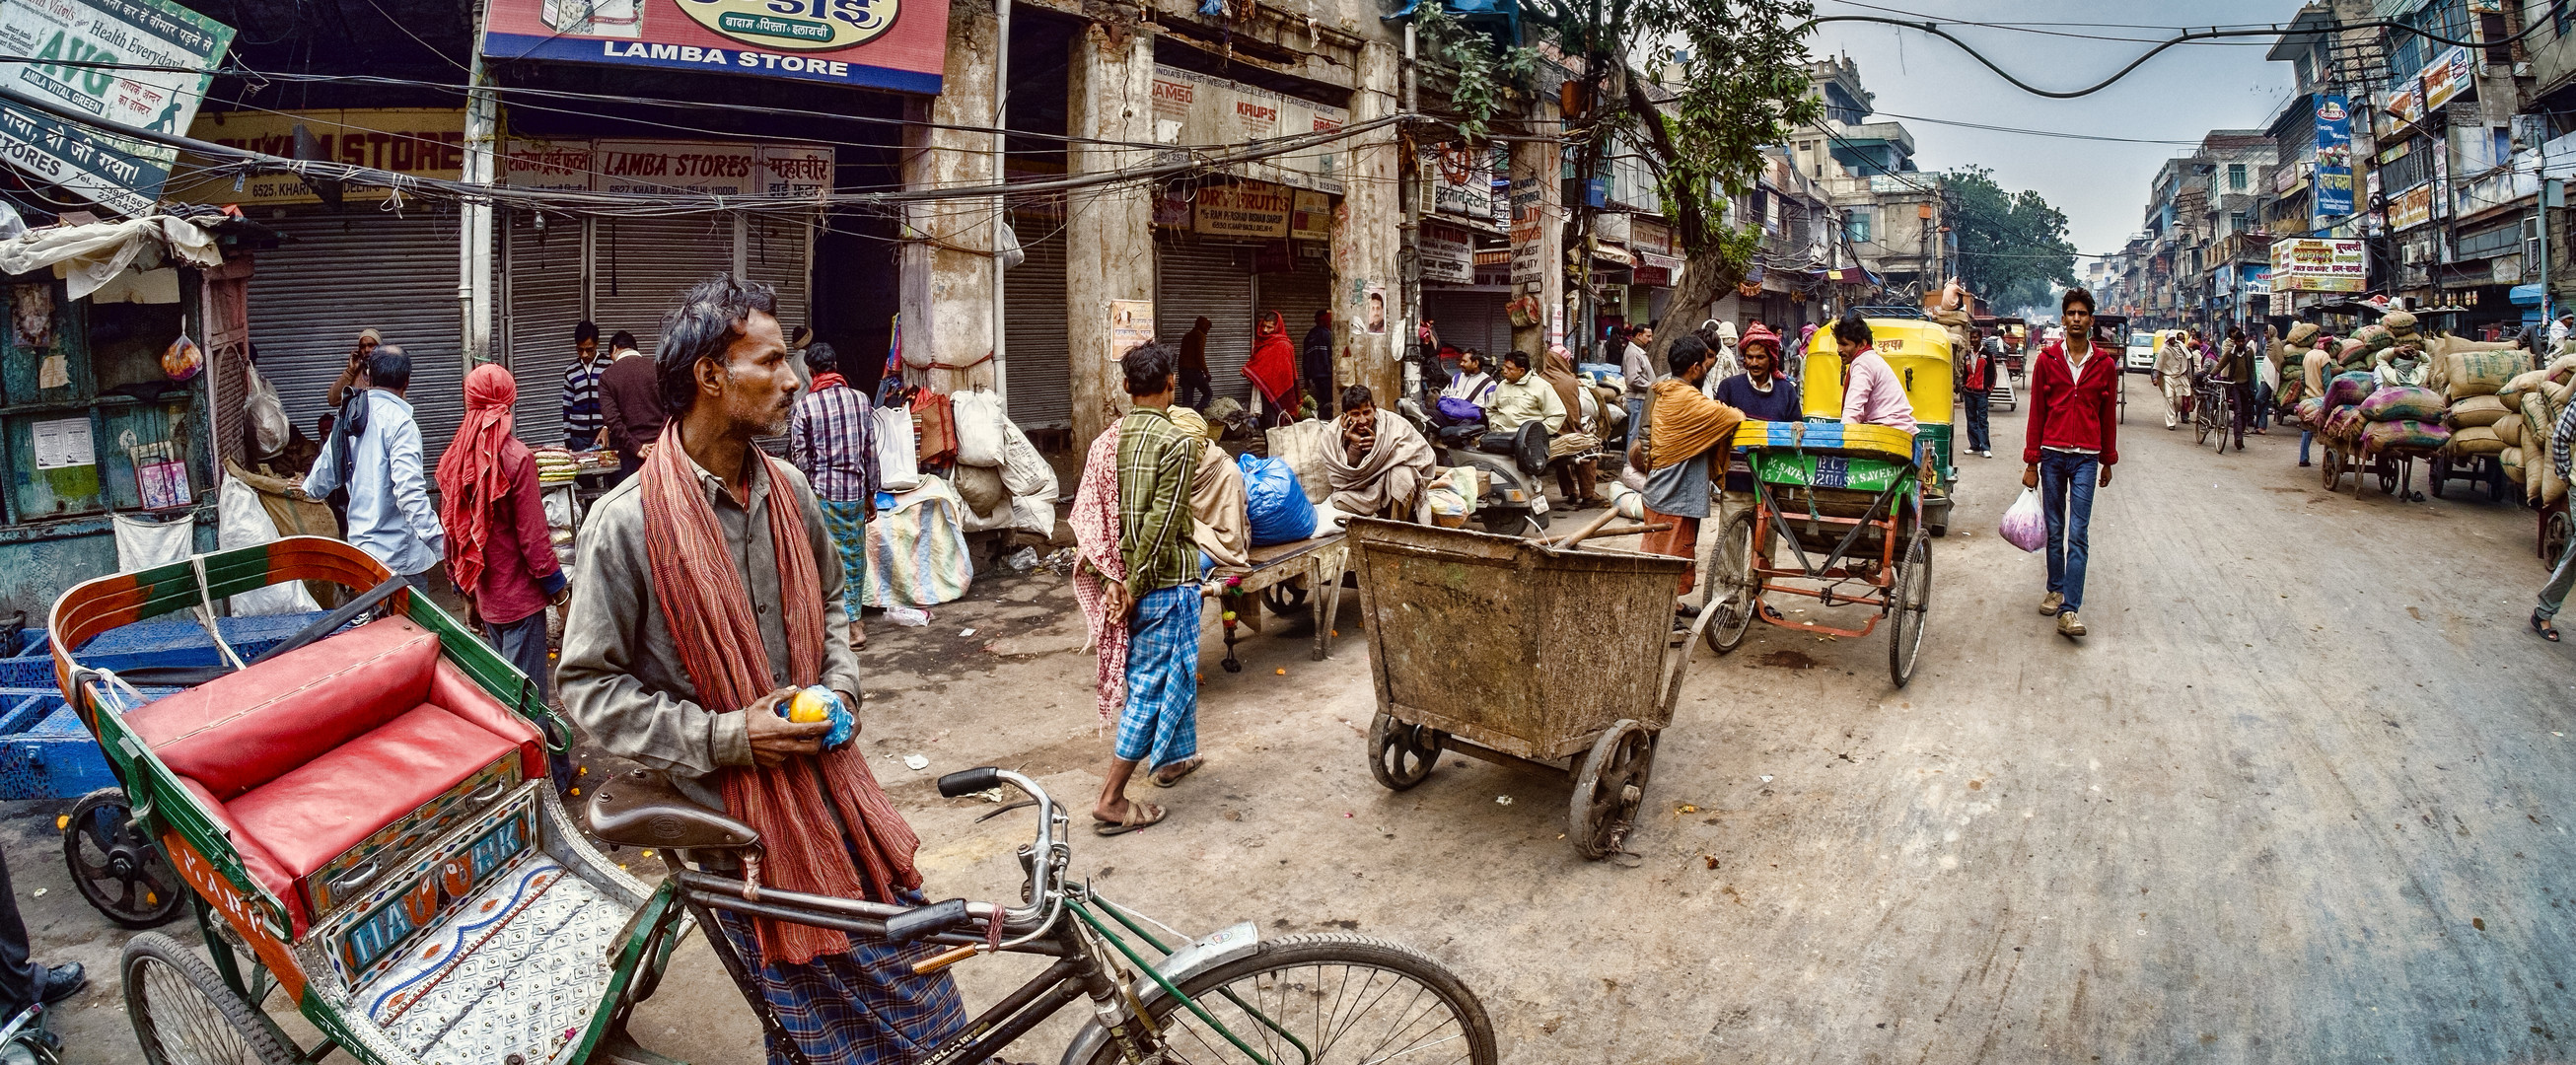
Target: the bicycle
pixel 1227 997
pixel 2214 413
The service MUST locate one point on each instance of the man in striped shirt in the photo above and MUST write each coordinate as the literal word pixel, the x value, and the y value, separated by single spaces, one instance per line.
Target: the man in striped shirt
pixel 581 418
pixel 832 440
pixel 2563 576
pixel 1156 460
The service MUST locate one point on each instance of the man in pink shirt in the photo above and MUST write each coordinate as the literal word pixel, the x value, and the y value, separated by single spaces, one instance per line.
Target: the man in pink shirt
pixel 1872 392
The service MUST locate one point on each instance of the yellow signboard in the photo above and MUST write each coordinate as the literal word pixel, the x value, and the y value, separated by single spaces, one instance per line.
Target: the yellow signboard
pixel 421 142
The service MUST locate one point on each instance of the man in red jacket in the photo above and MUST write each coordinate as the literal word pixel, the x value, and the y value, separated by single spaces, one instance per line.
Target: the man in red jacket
pixel 2072 444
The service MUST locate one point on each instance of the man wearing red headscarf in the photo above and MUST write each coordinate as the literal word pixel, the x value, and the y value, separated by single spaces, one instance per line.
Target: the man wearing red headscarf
pixel 498 551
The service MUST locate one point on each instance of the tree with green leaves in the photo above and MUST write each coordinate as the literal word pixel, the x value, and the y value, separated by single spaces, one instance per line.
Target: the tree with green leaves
pixel 2012 245
pixel 1743 87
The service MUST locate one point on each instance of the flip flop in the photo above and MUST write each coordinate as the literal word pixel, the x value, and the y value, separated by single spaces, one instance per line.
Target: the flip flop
pixel 1140 815
pixel 1188 766
pixel 2542 626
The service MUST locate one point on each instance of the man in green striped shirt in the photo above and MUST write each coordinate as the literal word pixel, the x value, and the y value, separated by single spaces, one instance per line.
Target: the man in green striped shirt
pixel 1156 459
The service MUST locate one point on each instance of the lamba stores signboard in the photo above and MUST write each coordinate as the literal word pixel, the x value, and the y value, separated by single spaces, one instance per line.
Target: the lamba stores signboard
pixel 876 44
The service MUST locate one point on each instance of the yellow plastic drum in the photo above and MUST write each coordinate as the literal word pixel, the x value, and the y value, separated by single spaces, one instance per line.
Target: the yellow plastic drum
pixel 1917 349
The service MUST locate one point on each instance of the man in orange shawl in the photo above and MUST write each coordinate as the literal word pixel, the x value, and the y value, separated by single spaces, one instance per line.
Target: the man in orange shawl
pixel 499 551
pixel 710 591
pixel 1685 440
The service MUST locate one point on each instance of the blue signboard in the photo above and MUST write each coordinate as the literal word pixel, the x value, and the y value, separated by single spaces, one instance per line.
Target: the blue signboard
pixel 2333 197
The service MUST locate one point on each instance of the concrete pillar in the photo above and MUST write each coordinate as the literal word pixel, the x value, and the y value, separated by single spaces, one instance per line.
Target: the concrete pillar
pixel 945 262
pixel 1535 170
pixel 1109 229
pixel 1366 237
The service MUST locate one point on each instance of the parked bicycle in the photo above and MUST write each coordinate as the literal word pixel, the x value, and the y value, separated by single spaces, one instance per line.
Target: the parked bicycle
pixel 2214 413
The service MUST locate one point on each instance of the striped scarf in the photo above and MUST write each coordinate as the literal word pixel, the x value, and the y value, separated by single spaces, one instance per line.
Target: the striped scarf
pixel 1096 529
pixel 718 638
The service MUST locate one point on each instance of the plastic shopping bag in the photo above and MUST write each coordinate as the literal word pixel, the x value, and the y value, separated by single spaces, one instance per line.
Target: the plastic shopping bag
pixel 2024 525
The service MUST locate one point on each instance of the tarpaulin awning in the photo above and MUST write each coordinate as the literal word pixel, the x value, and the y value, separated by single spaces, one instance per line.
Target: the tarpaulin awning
pixel 89 256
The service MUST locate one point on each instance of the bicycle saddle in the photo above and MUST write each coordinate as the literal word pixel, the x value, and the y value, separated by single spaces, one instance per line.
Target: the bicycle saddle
pixel 643 810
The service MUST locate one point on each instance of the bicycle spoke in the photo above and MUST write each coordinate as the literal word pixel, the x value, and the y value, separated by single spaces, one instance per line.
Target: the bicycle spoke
pixel 1344 1014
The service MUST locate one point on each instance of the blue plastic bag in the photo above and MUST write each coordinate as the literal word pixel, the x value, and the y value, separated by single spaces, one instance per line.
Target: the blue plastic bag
pixel 1274 503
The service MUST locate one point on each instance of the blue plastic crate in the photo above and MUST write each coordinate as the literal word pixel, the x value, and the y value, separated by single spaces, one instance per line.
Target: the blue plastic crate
pixel 56 759
pixel 166 641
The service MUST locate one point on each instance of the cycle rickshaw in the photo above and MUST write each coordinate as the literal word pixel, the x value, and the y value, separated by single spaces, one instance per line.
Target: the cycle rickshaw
pixel 1844 505
pixel 366 819
pixel 1919 351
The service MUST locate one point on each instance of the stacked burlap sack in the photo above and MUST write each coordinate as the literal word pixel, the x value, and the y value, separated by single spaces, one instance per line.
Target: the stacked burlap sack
pixel 2471 380
pixel 2339 417
pixel 2401 416
pixel 2532 400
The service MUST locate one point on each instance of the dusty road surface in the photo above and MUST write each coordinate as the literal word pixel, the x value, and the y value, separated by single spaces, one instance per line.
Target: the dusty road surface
pixel 2303 795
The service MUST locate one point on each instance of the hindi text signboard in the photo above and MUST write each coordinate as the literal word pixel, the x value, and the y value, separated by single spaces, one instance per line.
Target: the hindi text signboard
pixel 2312 265
pixel 870 44
pixel 60 39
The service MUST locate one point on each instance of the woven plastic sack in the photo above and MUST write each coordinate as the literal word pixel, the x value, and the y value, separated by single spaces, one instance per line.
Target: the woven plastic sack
pixel 2508 429
pixel 2374 337
pixel 2311 411
pixel 2407 433
pixel 2476 411
pixel 2539 420
pixel 2512 459
pixel 2344 424
pixel 2348 389
pixel 979 428
pixel 1274 504
pixel 2481 373
pixel 1024 471
pixel 1301 445
pixel 2025 526
pixel 2403 403
pixel 2476 440
pixel 269 428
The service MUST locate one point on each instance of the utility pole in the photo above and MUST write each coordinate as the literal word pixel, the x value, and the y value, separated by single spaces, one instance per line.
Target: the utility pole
pixel 1408 257
pixel 474 243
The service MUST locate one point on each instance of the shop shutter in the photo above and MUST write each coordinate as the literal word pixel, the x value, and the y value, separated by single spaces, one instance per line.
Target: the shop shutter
pixel 542 298
pixel 1296 295
pixel 1209 280
pixel 1037 350
pixel 339 273
pixel 644 266
pixel 775 253
pixel 1466 319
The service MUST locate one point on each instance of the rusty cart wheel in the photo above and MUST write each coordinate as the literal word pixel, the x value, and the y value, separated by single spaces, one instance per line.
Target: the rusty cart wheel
pixel 1909 595
pixel 1732 586
pixel 1402 755
pixel 1287 599
pixel 117 869
pixel 1609 787
pixel 2554 532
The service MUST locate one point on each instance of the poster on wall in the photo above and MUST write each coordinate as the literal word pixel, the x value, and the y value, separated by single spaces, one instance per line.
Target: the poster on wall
pixel 1373 317
pixel 900 45
pixel 166 54
pixel 1312 218
pixel 1131 325
pixel 1529 260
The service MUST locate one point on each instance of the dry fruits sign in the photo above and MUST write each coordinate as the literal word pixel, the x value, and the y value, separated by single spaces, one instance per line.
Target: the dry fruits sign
pixel 878 44
pixel 1244 209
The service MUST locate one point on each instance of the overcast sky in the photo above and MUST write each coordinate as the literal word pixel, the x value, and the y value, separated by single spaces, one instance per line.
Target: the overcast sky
pixel 2102 186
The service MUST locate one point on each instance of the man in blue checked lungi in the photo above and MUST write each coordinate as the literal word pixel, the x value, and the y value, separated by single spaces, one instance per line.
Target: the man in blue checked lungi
pixel 832 440
pixel 1160 596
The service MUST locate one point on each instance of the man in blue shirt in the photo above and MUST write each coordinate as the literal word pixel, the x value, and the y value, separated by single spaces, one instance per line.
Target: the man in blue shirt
pixel 375 453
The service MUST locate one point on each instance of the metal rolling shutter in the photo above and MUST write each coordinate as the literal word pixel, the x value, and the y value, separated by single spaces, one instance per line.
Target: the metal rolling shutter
pixel 1470 320
pixel 543 297
pixel 1037 353
pixel 644 266
pixel 1296 296
pixel 343 272
pixel 774 253
pixel 1209 280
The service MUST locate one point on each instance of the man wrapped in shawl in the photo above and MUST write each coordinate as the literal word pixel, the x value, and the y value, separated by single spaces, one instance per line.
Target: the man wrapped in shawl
pixel 1576 452
pixel 499 549
pixel 711 591
pixel 1383 462
pixel 1273 369
pixel 1686 438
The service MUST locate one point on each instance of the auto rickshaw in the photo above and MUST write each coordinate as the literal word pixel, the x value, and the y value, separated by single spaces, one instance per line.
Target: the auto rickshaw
pixel 1919 350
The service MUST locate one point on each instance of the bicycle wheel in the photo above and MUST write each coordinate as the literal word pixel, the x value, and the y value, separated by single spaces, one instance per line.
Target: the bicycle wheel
pixel 183 1014
pixel 1331 999
pixel 2200 420
pixel 1909 596
pixel 1731 585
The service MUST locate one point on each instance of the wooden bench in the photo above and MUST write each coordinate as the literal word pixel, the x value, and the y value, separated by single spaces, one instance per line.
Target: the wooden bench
pixel 1274 578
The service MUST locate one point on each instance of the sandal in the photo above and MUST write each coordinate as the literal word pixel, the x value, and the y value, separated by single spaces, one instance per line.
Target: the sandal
pixel 1188 766
pixel 2542 626
pixel 1140 815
